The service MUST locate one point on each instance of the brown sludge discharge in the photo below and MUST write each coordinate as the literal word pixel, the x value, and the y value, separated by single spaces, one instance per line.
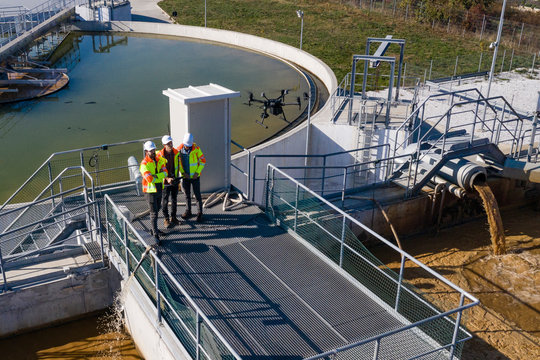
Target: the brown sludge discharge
pixel 496 228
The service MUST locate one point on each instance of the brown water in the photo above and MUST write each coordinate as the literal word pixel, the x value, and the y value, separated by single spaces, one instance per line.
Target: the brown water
pixel 99 336
pixel 496 228
pixel 506 324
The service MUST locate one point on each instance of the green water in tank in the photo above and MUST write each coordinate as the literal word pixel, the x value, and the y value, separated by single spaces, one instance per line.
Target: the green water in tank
pixel 115 95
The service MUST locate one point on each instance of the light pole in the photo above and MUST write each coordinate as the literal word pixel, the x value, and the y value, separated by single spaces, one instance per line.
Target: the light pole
pixel 496 45
pixel 300 14
pixel 205 13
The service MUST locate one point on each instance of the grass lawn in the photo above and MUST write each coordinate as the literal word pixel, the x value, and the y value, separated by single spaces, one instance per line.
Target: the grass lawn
pixel 334 31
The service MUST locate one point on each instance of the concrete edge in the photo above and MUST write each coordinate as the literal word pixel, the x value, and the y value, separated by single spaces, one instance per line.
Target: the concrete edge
pixel 292 142
pixel 250 42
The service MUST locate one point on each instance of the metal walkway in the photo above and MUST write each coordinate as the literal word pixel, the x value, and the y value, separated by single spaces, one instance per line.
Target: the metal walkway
pixel 269 295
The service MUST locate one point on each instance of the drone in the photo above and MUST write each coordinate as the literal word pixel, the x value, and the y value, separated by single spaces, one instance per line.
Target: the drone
pixel 272 106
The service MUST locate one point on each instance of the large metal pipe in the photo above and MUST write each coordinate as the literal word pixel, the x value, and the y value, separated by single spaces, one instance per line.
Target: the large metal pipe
pixel 463 173
pixel 452 188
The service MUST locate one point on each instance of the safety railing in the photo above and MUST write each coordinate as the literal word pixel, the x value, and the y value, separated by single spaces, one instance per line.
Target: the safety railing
pixel 433 317
pixel 485 113
pixel 15 22
pixel 246 173
pixel 318 161
pixel 472 115
pixel 342 180
pixel 35 227
pixel 172 302
pixel 340 98
pixel 106 163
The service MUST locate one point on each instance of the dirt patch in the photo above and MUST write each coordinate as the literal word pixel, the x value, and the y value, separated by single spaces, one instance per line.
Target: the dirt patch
pixel 506 324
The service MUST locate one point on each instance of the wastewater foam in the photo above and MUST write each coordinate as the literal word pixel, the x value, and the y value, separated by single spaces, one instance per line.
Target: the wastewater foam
pixel 111 325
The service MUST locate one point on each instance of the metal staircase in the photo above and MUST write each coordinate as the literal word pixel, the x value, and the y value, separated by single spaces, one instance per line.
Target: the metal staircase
pixel 50 220
pixel 472 125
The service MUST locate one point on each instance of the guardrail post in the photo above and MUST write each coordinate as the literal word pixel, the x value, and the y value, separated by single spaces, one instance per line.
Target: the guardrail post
pixel 62 205
pixel 342 247
pixel 323 176
pixel 126 245
pixel 253 178
pixel 248 173
pixel 344 188
pixel 198 335
pixel 400 280
pixel 456 327
pixel 109 243
pixel 3 271
pixel 50 182
pixel 533 135
pixel 376 350
pixel 88 215
pixel 296 208
pixel 158 294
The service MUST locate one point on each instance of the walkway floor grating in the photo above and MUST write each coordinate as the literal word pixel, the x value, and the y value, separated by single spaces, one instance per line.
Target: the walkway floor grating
pixel 268 294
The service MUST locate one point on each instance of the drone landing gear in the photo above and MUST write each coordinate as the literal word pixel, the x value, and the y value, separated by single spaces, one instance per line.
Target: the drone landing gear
pixel 261 122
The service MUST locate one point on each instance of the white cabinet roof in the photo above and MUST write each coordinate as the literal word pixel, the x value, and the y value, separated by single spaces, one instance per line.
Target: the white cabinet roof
pixel 204 93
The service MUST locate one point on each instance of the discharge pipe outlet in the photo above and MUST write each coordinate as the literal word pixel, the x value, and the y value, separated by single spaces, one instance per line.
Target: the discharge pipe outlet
pixel 462 173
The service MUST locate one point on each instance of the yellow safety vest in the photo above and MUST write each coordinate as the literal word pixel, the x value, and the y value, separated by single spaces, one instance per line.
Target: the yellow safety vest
pixel 196 160
pixel 150 173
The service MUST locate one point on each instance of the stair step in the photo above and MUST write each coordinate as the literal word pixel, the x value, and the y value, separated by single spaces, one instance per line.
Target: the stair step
pixel 94 250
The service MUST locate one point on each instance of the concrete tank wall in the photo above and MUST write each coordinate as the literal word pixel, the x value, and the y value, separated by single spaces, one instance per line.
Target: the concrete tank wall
pixel 414 216
pixel 57 301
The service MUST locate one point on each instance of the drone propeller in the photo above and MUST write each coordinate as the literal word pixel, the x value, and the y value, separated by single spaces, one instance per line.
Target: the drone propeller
pixel 250 98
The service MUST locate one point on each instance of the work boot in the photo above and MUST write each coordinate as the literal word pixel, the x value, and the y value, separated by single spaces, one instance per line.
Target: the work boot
pixel 174 221
pixel 199 217
pixel 167 222
pixel 187 214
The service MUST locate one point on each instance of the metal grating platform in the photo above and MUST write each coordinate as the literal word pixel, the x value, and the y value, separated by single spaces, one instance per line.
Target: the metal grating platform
pixel 268 294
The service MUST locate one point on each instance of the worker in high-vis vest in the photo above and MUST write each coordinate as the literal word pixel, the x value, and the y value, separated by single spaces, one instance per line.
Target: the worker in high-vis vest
pixel 191 162
pixel 170 190
pixel 154 173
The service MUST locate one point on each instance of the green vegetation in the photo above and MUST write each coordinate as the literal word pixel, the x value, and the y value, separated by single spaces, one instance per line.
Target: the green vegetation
pixel 333 31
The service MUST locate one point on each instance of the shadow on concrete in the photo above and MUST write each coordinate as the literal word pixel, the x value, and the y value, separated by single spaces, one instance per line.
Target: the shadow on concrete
pixel 135 17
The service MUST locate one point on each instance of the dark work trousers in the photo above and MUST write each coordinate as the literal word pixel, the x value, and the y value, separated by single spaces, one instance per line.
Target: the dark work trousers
pixel 154 204
pixel 186 185
pixel 172 192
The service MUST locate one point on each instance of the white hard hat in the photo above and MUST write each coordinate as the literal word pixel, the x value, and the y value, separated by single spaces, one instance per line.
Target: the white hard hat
pixel 188 139
pixel 149 145
pixel 166 139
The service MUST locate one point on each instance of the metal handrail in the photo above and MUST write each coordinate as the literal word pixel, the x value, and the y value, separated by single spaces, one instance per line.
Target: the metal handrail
pixel 27 206
pixel 172 278
pixel 323 156
pixel 373 233
pixel 25 17
pixel 248 166
pixel 80 150
pixel 404 256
